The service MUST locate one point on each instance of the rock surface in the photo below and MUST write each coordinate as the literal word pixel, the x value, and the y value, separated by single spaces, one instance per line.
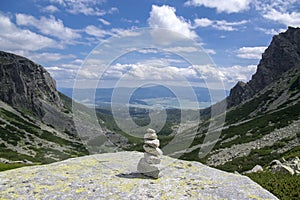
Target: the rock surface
pixel 27 85
pixel 255 169
pixel 291 166
pixel 114 176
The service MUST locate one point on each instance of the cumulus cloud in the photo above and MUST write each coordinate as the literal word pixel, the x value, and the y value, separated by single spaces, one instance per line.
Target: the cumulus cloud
pixel 229 6
pixel 281 11
pixel 165 17
pixel 143 71
pixel 229 76
pixel 196 74
pixel 218 24
pixel 13 38
pixel 49 26
pixel 250 52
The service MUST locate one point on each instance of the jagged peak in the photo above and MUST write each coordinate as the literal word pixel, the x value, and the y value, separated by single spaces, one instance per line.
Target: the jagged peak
pixel 282 55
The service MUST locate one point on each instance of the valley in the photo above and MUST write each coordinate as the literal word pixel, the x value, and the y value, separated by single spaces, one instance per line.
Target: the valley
pixel 261 123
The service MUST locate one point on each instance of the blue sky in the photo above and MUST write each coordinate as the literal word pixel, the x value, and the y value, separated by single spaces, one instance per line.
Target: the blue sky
pixel 60 34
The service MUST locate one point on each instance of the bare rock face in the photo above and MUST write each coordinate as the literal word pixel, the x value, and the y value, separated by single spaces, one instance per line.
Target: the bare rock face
pixel 26 85
pixel 282 55
pixel 29 88
pixel 291 166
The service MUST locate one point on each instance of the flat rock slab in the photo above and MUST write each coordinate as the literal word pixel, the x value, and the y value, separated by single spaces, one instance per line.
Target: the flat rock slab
pixel 114 176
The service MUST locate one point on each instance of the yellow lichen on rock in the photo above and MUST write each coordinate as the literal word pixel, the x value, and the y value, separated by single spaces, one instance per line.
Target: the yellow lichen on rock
pixel 115 176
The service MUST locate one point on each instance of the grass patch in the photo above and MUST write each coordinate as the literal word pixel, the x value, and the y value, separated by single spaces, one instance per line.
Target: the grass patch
pixel 4 167
pixel 283 186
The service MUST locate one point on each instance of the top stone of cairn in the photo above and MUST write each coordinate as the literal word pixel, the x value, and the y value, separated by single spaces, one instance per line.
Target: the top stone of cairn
pixel 150 134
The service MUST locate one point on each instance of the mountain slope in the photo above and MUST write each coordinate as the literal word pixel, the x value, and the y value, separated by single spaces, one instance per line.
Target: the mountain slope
pixel 263 119
pixel 35 126
pixel 40 125
pixel 282 55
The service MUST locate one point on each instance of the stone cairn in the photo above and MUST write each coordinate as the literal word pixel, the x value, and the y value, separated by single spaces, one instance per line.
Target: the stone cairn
pixel 149 165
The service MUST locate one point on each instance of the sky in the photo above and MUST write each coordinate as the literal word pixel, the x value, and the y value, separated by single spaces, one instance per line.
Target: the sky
pixel 154 40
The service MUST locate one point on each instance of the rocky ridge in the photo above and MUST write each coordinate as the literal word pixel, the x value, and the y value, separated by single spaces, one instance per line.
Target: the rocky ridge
pixel 114 176
pixel 262 119
pixel 282 55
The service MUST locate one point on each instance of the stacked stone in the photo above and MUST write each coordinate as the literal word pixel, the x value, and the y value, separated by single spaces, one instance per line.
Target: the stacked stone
pixel 149 165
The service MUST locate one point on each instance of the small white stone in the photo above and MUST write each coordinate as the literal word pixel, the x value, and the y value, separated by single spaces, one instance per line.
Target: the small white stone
pixel 150 136
pixel 151 150
pixel 150 130
pixel 147 169
pixel 151 159
pixel 152 143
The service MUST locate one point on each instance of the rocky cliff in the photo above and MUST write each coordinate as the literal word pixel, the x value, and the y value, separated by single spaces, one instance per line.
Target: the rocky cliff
pixel 114 176
pixel 38 124
pixel 282 55
pixel 27 85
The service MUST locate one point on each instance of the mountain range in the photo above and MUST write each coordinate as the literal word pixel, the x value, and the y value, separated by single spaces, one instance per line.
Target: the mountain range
pixel 154 95
pixel 261 123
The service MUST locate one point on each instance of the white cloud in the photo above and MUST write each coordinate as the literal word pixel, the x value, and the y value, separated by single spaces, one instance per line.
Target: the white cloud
pixel 210 51
pixel 286 18
pixel 250 52
pixel 218 24
pixel 130 21
pixel 61 2
pixel 238 73
pixel 100 33
pixel 144 71
pixel 281 11
pixel 124 32
pixel 14 39
pixel 182 49
pixel 103 21
pixel 148 71
pixel 229 6
pixel 85 7
pixel 50 9
pixel 63 76
pixel 271 31
pixel 165 17
pixel 49 26
pixel 95 31
pixel 48 57
pixel 228 75
pixel 203 22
